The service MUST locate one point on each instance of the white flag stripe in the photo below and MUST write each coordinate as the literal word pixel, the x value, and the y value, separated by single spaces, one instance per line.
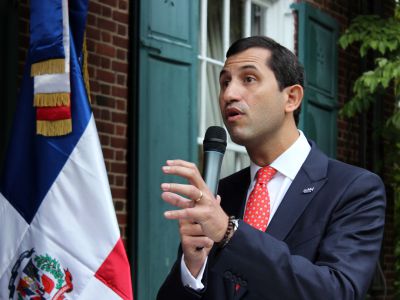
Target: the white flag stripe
pixel 52 83
pixel 96 287
pixel 78 211
pixel 12 230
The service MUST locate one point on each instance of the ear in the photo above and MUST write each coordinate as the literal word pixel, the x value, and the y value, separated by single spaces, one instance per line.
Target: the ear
pixel 294 97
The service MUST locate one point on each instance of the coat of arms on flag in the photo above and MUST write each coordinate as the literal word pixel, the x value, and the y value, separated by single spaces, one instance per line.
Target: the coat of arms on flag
pixel 54 167
pixel 41 276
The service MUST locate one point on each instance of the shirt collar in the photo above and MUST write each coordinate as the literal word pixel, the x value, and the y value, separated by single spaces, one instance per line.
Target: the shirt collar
pixel 290 161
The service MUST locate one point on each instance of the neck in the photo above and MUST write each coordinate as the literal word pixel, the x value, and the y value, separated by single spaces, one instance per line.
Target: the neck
pixel 266 151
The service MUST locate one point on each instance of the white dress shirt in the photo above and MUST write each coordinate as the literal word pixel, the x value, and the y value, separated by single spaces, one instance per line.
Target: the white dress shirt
pixel 287 166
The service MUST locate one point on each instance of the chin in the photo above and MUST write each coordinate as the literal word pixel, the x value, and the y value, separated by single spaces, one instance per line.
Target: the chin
pixel 237 137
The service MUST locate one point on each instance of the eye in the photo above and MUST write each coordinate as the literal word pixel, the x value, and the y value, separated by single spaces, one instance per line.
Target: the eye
pixel 249 79
pixel 224 83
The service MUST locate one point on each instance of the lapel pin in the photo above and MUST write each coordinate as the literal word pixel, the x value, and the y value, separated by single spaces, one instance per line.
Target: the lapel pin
pixel 308 190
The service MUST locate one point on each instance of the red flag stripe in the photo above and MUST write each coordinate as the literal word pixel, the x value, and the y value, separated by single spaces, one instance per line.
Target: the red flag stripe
pixel 53 113
pixel 115 272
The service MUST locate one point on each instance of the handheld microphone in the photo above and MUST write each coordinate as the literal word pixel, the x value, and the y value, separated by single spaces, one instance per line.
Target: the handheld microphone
pixel 214 145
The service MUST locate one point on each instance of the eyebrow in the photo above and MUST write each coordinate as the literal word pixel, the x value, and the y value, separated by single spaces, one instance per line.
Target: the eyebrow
pixel 252 67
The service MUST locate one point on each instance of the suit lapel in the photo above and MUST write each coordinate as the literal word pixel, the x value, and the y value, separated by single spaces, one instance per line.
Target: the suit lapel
pixel 305 186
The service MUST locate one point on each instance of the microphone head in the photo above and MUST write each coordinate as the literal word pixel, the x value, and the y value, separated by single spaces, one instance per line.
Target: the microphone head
pixel 215 139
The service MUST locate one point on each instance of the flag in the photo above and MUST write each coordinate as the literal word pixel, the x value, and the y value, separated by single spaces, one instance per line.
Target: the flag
pixel 50 65
pixel 59 236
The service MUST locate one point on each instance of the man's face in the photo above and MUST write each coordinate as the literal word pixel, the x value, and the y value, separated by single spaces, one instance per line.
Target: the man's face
pixel 252 106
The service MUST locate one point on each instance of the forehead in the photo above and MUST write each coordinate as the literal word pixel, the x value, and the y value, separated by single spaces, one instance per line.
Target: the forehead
pixel 256 57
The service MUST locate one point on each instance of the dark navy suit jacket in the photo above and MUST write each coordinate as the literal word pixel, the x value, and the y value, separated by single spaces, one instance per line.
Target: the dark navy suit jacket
pixel 322 243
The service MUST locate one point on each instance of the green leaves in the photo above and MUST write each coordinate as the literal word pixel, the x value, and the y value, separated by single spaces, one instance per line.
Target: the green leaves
pixel 370 83
pixel 373 33
pixel 382 37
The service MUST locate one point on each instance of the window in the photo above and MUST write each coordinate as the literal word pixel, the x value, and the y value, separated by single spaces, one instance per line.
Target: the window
pixel 221 23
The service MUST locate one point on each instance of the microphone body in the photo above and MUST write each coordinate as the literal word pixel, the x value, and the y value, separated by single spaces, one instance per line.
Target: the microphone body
pixel 214 146
pixel 212 169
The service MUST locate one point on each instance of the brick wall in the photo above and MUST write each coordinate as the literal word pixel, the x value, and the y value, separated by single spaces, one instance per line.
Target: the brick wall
pixel 107 45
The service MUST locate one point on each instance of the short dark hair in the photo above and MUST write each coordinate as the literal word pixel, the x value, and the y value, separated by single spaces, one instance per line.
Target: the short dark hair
pixel 283 63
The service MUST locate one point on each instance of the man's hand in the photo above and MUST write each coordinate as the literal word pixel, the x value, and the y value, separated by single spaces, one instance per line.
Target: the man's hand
pixel 195 245
pixel 202 209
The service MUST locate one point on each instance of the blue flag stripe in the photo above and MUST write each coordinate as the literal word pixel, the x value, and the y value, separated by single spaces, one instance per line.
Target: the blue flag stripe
pixel 46 34
pixel 33 162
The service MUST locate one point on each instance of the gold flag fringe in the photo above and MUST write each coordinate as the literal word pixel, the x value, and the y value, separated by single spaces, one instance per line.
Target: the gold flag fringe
pixel 51 99
pixel 85 68
pixel 53 128
pixel 51 66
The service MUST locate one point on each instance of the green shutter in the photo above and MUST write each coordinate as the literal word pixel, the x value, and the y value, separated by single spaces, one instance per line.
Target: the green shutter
pixel 317 51
pixel 8 70
pixel 167 128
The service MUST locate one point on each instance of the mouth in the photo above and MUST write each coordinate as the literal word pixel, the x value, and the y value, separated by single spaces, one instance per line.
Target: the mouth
pixel 233 114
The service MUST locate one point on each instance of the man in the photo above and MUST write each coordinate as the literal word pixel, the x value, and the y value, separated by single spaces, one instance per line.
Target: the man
pixel 324 219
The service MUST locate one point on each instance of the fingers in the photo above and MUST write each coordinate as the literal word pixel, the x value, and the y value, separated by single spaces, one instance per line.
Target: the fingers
pixel 202 206
pixel 186 170
pixel 192 236
pixel 189 191
pixel 171 196
pixel 194 242
pixel 184 214
pixel 190 228
pixel 180 162
pixel 177 200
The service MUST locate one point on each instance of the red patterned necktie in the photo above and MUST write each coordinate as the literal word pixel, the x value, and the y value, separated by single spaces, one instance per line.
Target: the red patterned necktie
pixel 258 205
